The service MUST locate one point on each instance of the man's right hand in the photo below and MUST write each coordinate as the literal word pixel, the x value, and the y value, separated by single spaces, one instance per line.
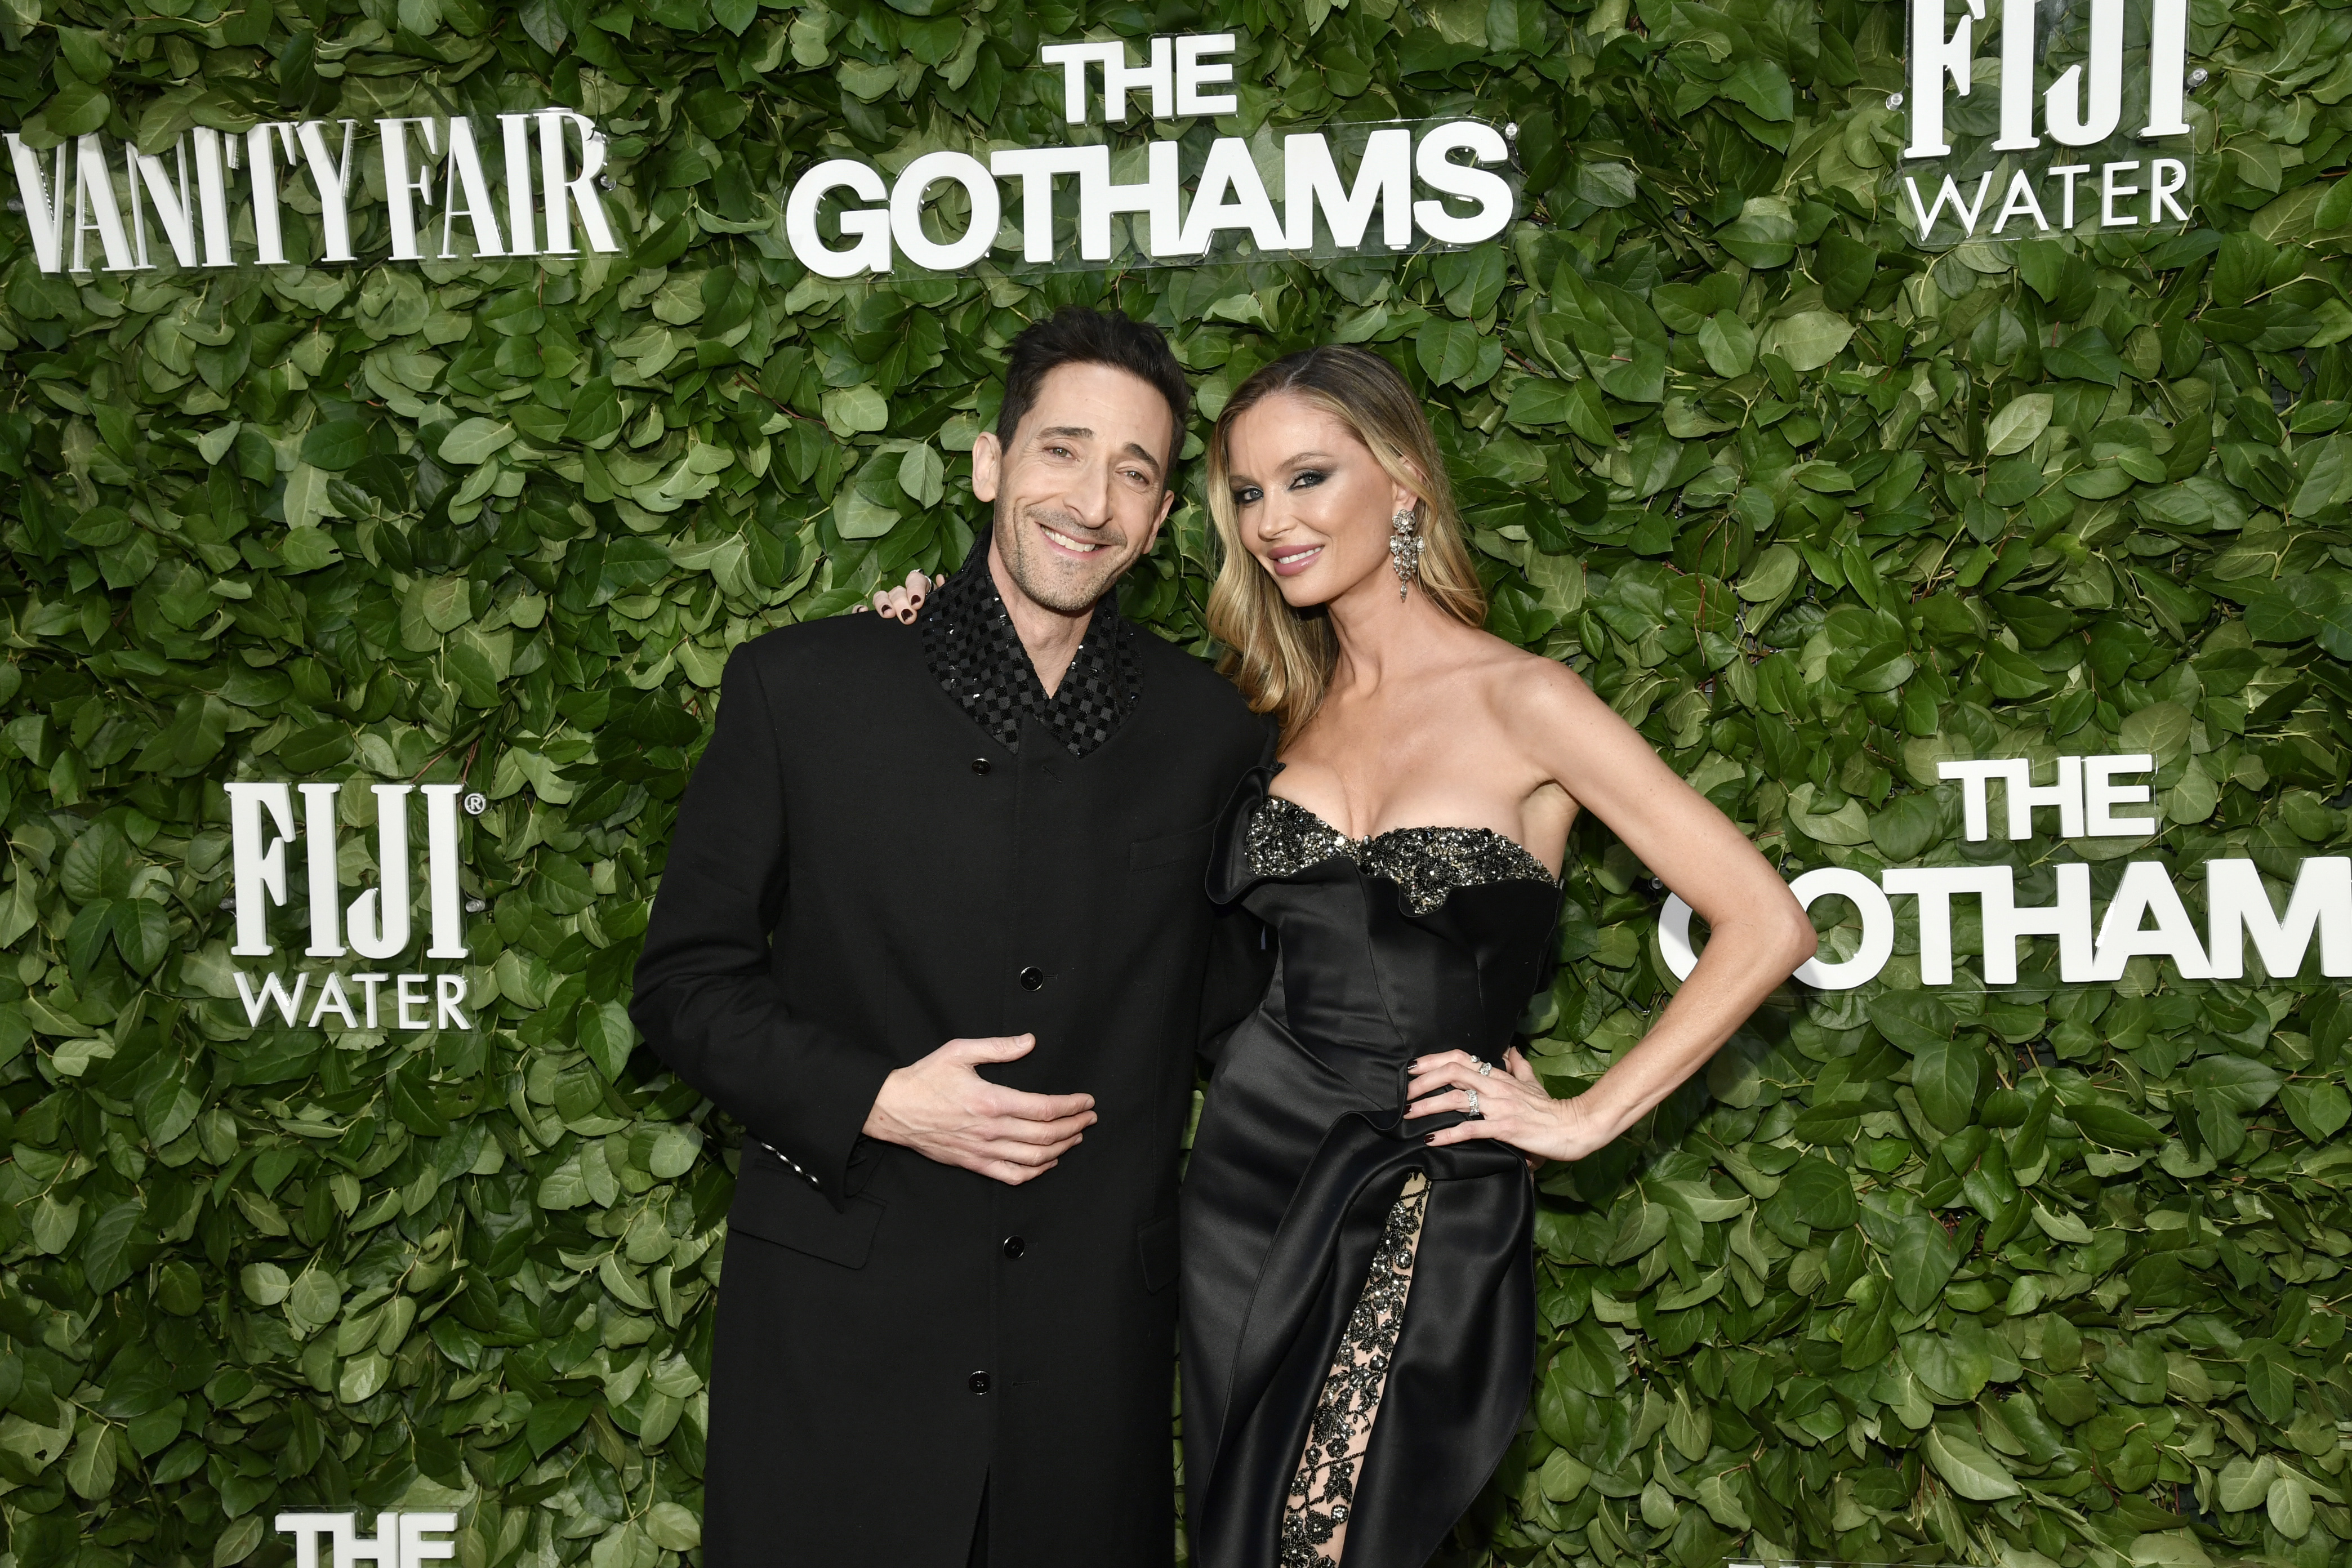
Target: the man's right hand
pixel 943 1109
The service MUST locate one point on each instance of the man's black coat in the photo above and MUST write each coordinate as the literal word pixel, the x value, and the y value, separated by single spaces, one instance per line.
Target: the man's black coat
pixel 860 873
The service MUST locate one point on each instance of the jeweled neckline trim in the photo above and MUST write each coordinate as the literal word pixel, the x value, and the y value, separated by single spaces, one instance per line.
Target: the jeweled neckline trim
pixel 1426 863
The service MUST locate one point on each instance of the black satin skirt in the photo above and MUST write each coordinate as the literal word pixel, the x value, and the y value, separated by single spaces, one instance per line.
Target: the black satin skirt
pixel 1293 1173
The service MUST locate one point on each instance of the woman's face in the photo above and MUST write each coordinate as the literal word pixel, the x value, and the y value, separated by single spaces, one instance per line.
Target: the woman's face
pixel 1312 502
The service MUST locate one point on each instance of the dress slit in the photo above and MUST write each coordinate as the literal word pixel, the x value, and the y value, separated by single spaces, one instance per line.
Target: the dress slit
pixel 1323 1489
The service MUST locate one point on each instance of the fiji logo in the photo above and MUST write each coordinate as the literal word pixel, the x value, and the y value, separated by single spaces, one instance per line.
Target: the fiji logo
pixel 2079 118
pixel 376 925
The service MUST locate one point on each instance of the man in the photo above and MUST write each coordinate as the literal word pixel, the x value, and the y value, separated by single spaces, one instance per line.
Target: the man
pixel 947 1321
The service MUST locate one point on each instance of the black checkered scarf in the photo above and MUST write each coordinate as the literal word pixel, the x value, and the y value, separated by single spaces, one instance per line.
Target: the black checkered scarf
pixel 978 660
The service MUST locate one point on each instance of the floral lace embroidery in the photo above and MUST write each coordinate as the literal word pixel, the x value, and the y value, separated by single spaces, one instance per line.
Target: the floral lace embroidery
pixel 1323 1491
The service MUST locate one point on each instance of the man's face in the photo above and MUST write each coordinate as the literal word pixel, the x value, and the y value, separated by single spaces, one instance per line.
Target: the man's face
pixel 1082 488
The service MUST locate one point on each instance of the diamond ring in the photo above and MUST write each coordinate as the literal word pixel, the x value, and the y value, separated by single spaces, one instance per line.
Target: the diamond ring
pixel 1474 1103
pixel 1486 1069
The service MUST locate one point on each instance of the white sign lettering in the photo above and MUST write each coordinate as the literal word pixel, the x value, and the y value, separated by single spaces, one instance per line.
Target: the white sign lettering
pixel 374 925
pixel 399 1541
pixel 2126 89
pixel 430 167
pixel 2145 918
pixel 880 225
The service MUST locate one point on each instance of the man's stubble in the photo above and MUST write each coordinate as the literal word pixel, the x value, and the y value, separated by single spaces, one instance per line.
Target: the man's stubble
pixel 1061 587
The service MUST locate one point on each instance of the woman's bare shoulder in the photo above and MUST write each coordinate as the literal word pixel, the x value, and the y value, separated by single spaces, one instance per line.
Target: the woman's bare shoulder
pixel 1515 678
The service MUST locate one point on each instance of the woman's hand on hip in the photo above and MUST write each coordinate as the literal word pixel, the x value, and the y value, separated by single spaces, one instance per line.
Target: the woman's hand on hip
pixel 1513 1107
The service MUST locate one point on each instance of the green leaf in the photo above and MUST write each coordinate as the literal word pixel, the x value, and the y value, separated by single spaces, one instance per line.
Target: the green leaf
pixel 1945 1075
pixel 2160 729
pixel 1537 401
pixel 90 1468
pixel 1456 353
pixel 264 1284
pixel 854 410
pixel 1922 1261
pixel 2245 1483
pixel 1772 576
pixel 2239 1082
pixel 922 475
pixel 595 413
pixel 107 1242
pixel 362 1376
pixel 1967 1469
pixel 314 1298
pixel 413 1100
pixel 99 865
pixel 675 1152
pixel 2269 1383
pixel 335 446
pixel 77 110
pixel 2318 1109
pixel 1762 86
pixel 2019 423
pixel 237 1542
pixel 672 1526
pixel 215 444
pixel 1845 268
pixel 2114 1127
pixel 308 550
pixel 1908 825
pixel 1729 345
pixel 1808 339
pixel 553 1420
pixel 443 603
pixel 1821 1193
pixel 608 1038
pixel 102 528
pixel 2288 1503
pixel 142 934
pixel 474 441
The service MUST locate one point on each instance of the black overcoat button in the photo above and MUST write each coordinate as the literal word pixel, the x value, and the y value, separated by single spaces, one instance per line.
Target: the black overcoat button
pixel 1032 978
pixel 978 1383
pixel 980 764
pixel 1014 1247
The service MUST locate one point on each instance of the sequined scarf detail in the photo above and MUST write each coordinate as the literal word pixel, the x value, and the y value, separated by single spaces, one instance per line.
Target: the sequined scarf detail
pixel 1323 1489
pixel 977 657
pixel 1426 863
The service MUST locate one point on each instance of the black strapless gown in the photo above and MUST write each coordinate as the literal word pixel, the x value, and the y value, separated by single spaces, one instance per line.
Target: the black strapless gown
pixel 1414 941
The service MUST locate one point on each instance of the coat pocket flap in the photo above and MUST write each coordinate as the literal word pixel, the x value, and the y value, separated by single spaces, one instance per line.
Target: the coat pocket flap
pixel 773 1204
pixel 1157 1243
pixel 1192 845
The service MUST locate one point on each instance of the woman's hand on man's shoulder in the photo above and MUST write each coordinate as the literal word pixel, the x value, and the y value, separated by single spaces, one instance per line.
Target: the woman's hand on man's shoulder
pixel 905 601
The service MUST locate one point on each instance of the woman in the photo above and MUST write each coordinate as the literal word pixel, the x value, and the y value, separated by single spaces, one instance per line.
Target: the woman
pixel 1358 1286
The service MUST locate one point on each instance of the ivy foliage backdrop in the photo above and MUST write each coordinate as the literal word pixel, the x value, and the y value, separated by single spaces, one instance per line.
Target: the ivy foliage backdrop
pixel 2038 1277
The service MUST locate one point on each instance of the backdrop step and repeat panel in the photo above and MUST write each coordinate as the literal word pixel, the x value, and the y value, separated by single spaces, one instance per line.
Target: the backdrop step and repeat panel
pixel 409 480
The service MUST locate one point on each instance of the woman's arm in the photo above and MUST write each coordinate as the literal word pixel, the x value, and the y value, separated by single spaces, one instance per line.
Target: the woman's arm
pixel 1758 935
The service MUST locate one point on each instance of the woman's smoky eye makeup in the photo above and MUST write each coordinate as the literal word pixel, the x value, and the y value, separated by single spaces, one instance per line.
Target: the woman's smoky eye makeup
pixel 1305 479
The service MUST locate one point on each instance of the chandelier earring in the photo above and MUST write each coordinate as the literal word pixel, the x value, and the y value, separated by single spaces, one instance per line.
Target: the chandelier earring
pixel 1404 548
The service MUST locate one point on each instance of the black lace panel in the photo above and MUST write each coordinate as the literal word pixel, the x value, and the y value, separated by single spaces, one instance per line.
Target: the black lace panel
pixel 977 659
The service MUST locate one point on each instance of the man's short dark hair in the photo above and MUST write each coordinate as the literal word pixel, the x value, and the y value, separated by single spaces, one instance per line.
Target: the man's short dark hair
pixel 1077 335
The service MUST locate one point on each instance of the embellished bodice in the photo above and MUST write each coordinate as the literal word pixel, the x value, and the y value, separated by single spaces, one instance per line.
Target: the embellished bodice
pixel 1410 942
pixel 1427 864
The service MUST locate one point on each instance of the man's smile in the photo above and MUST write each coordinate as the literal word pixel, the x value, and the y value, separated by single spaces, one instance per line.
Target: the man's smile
pixel 1065 541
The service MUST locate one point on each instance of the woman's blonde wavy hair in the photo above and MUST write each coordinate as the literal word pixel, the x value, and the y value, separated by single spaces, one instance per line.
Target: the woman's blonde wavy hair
pixel 1281 658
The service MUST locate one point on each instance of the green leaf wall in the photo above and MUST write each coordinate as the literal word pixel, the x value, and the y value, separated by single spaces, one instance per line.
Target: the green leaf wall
pixel 2045 1276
